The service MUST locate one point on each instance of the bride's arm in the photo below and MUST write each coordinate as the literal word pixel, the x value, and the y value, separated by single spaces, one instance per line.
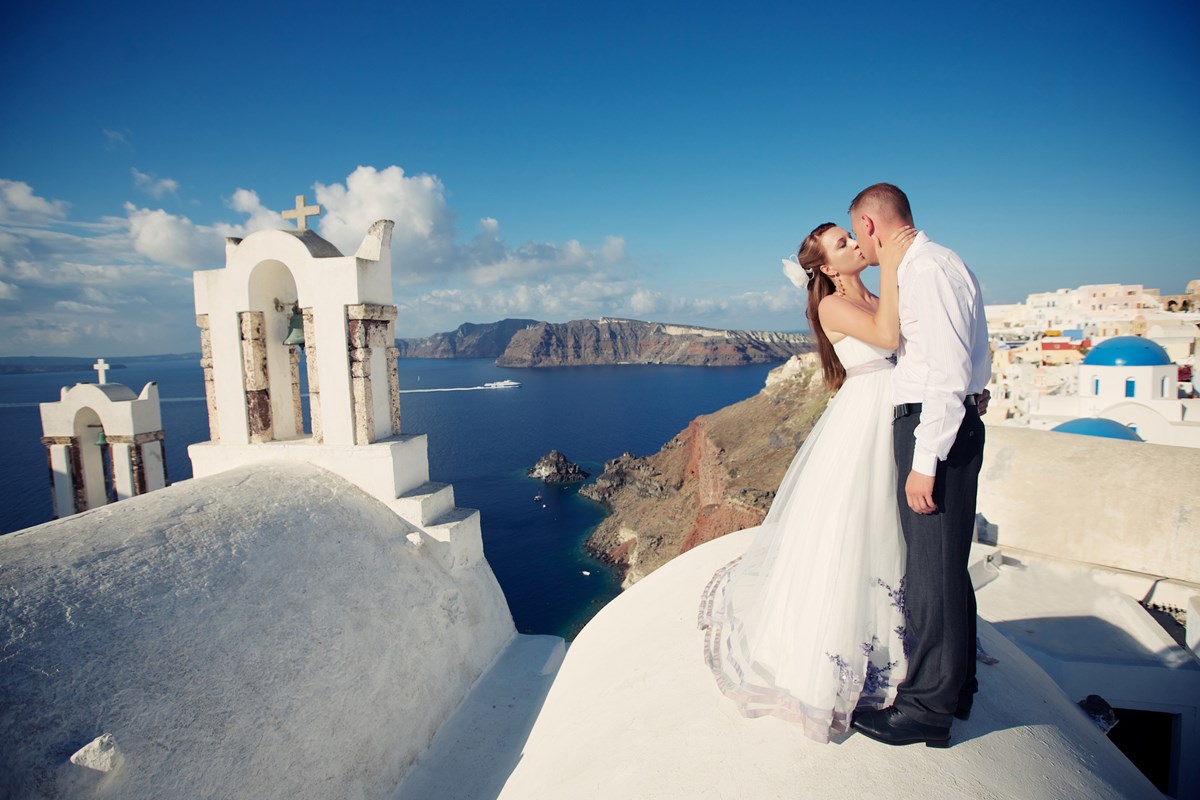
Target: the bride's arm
pixel 882 328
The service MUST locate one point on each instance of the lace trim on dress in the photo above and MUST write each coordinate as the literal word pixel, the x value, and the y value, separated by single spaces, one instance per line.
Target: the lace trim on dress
pixel 758 700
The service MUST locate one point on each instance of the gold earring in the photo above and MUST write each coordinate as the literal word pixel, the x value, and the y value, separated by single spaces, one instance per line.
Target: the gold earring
pixel 837 278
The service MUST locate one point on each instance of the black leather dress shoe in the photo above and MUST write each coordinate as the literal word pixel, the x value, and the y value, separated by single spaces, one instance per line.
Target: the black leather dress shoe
pixel 890 726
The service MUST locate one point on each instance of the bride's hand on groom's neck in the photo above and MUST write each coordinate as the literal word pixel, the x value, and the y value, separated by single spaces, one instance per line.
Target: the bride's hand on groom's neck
pixel 891 248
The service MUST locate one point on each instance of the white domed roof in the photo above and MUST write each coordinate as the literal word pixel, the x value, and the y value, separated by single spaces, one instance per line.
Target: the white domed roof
pixel 1127 351
pixel 264 632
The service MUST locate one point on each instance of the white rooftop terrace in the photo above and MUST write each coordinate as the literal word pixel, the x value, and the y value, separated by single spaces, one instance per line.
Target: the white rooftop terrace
pixel 635 712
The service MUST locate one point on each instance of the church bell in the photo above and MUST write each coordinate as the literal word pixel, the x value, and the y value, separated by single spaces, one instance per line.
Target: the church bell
pixel 295 328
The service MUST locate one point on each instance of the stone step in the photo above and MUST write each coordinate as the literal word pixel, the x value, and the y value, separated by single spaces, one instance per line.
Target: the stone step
pixel 456 537
pixel 426 503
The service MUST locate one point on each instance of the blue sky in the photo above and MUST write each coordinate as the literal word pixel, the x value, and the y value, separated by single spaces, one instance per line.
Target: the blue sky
pixel 565 160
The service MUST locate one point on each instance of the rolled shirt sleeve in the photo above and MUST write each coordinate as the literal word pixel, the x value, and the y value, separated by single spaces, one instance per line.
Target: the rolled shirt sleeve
pixel 945 305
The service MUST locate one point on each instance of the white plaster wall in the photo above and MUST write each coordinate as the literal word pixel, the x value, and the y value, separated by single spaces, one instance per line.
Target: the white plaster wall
pixel 333 364
pixel 1153 426
pixel 228 383
pixel 385 470
pixel 1147 382
pixel 265 633
pixel 145 412
pixel 1127 505
pixel 117 408
pixel 122 467
pixel 381 396
pixel 64 487
pixel 154 465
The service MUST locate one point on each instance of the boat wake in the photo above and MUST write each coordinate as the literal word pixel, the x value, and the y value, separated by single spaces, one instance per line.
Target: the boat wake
pixel 487 387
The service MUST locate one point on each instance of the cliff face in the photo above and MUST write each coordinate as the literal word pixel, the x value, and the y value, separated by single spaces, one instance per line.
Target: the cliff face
pixel 622 341
pixel 466 341
pixel 717 476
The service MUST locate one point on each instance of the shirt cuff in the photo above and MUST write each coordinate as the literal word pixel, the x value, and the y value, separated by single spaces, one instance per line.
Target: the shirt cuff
pixel 924 462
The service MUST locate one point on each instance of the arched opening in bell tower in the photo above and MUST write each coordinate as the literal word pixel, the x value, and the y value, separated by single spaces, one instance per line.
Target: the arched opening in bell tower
pixel 93 478
pixel 274 372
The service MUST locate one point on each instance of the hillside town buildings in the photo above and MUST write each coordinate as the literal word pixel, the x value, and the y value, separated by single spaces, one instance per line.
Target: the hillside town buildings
pixel 1107 351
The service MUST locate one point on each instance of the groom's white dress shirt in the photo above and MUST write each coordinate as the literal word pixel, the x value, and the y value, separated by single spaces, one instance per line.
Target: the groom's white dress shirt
pixel 943 355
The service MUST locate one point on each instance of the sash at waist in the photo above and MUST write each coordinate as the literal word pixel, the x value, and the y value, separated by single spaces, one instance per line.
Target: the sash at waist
pixel 870 366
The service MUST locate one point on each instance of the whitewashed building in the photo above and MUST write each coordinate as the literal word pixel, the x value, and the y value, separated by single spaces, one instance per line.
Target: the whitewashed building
pixel 1131 381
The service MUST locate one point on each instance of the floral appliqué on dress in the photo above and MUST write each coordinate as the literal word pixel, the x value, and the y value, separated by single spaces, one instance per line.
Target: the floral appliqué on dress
pixel 897 596
pixel 876 677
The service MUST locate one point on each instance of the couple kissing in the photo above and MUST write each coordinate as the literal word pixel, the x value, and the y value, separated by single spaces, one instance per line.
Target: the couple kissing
pixel 852 607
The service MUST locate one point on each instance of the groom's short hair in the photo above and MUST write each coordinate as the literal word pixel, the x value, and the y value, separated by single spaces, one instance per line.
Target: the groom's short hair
pixel 884 197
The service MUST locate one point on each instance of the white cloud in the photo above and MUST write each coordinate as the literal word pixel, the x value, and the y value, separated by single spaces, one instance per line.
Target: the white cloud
pixel 115 139
pixel 260 218
pixel 109 296
pixel 173 240
pixel 176 241
pixel 155 187
pixel 567 296
pixel 81 308
pixel 644 301
pixel 531 260
pixel 491 261
pixel 613 249
pixel 124 280
pixel 785 299
pixel 423 237
pixel 18 203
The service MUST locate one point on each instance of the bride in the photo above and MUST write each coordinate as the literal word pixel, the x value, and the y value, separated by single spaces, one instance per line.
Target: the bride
pixel 808 624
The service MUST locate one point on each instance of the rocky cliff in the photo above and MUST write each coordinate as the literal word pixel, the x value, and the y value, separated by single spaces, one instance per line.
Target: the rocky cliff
pixel 466 341
pixel 625 341
pixel 717 476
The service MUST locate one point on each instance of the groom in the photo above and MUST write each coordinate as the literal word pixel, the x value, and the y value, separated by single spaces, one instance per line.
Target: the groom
pixel 943 367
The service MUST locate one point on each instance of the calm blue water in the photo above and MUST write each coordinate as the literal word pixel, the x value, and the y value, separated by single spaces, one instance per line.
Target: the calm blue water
pixel 480 441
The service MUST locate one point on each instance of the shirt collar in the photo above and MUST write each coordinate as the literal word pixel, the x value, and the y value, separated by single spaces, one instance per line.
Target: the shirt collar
pixel 911 252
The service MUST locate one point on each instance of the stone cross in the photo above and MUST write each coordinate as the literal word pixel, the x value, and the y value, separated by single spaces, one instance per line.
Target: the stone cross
pixel 101 367
pixel 301 213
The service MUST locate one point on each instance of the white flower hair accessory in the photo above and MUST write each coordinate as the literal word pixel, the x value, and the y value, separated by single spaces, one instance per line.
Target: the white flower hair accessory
pixel 797 274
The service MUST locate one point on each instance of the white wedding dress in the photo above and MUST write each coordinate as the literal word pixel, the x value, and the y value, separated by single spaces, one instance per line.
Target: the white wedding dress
pixel 808 624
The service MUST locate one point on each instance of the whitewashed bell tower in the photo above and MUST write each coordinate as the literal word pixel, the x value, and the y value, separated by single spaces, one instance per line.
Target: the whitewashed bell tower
pixel 252 378
pixel 104 443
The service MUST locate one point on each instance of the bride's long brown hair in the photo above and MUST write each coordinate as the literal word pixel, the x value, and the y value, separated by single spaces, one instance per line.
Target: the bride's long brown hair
pixel 820 285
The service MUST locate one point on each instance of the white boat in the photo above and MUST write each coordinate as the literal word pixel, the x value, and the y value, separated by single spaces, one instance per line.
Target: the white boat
pixel 502 385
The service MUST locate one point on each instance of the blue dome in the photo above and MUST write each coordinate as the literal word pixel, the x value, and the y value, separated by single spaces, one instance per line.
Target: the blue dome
pixel 1127 351
pixel 1098 426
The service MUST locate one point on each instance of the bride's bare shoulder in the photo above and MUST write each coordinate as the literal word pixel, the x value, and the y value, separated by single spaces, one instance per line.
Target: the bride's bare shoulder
pixel 835 311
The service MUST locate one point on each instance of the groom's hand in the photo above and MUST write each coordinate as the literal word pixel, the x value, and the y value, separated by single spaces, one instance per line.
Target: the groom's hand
pixel 919 491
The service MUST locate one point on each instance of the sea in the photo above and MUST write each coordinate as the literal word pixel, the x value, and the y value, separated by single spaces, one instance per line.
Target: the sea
pixel 480 440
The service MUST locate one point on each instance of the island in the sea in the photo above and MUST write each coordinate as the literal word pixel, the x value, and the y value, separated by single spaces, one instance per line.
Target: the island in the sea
pixel 30 365
pixel 530 343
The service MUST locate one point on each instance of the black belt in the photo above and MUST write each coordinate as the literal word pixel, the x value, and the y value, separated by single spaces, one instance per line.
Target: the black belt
pixel 904 409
